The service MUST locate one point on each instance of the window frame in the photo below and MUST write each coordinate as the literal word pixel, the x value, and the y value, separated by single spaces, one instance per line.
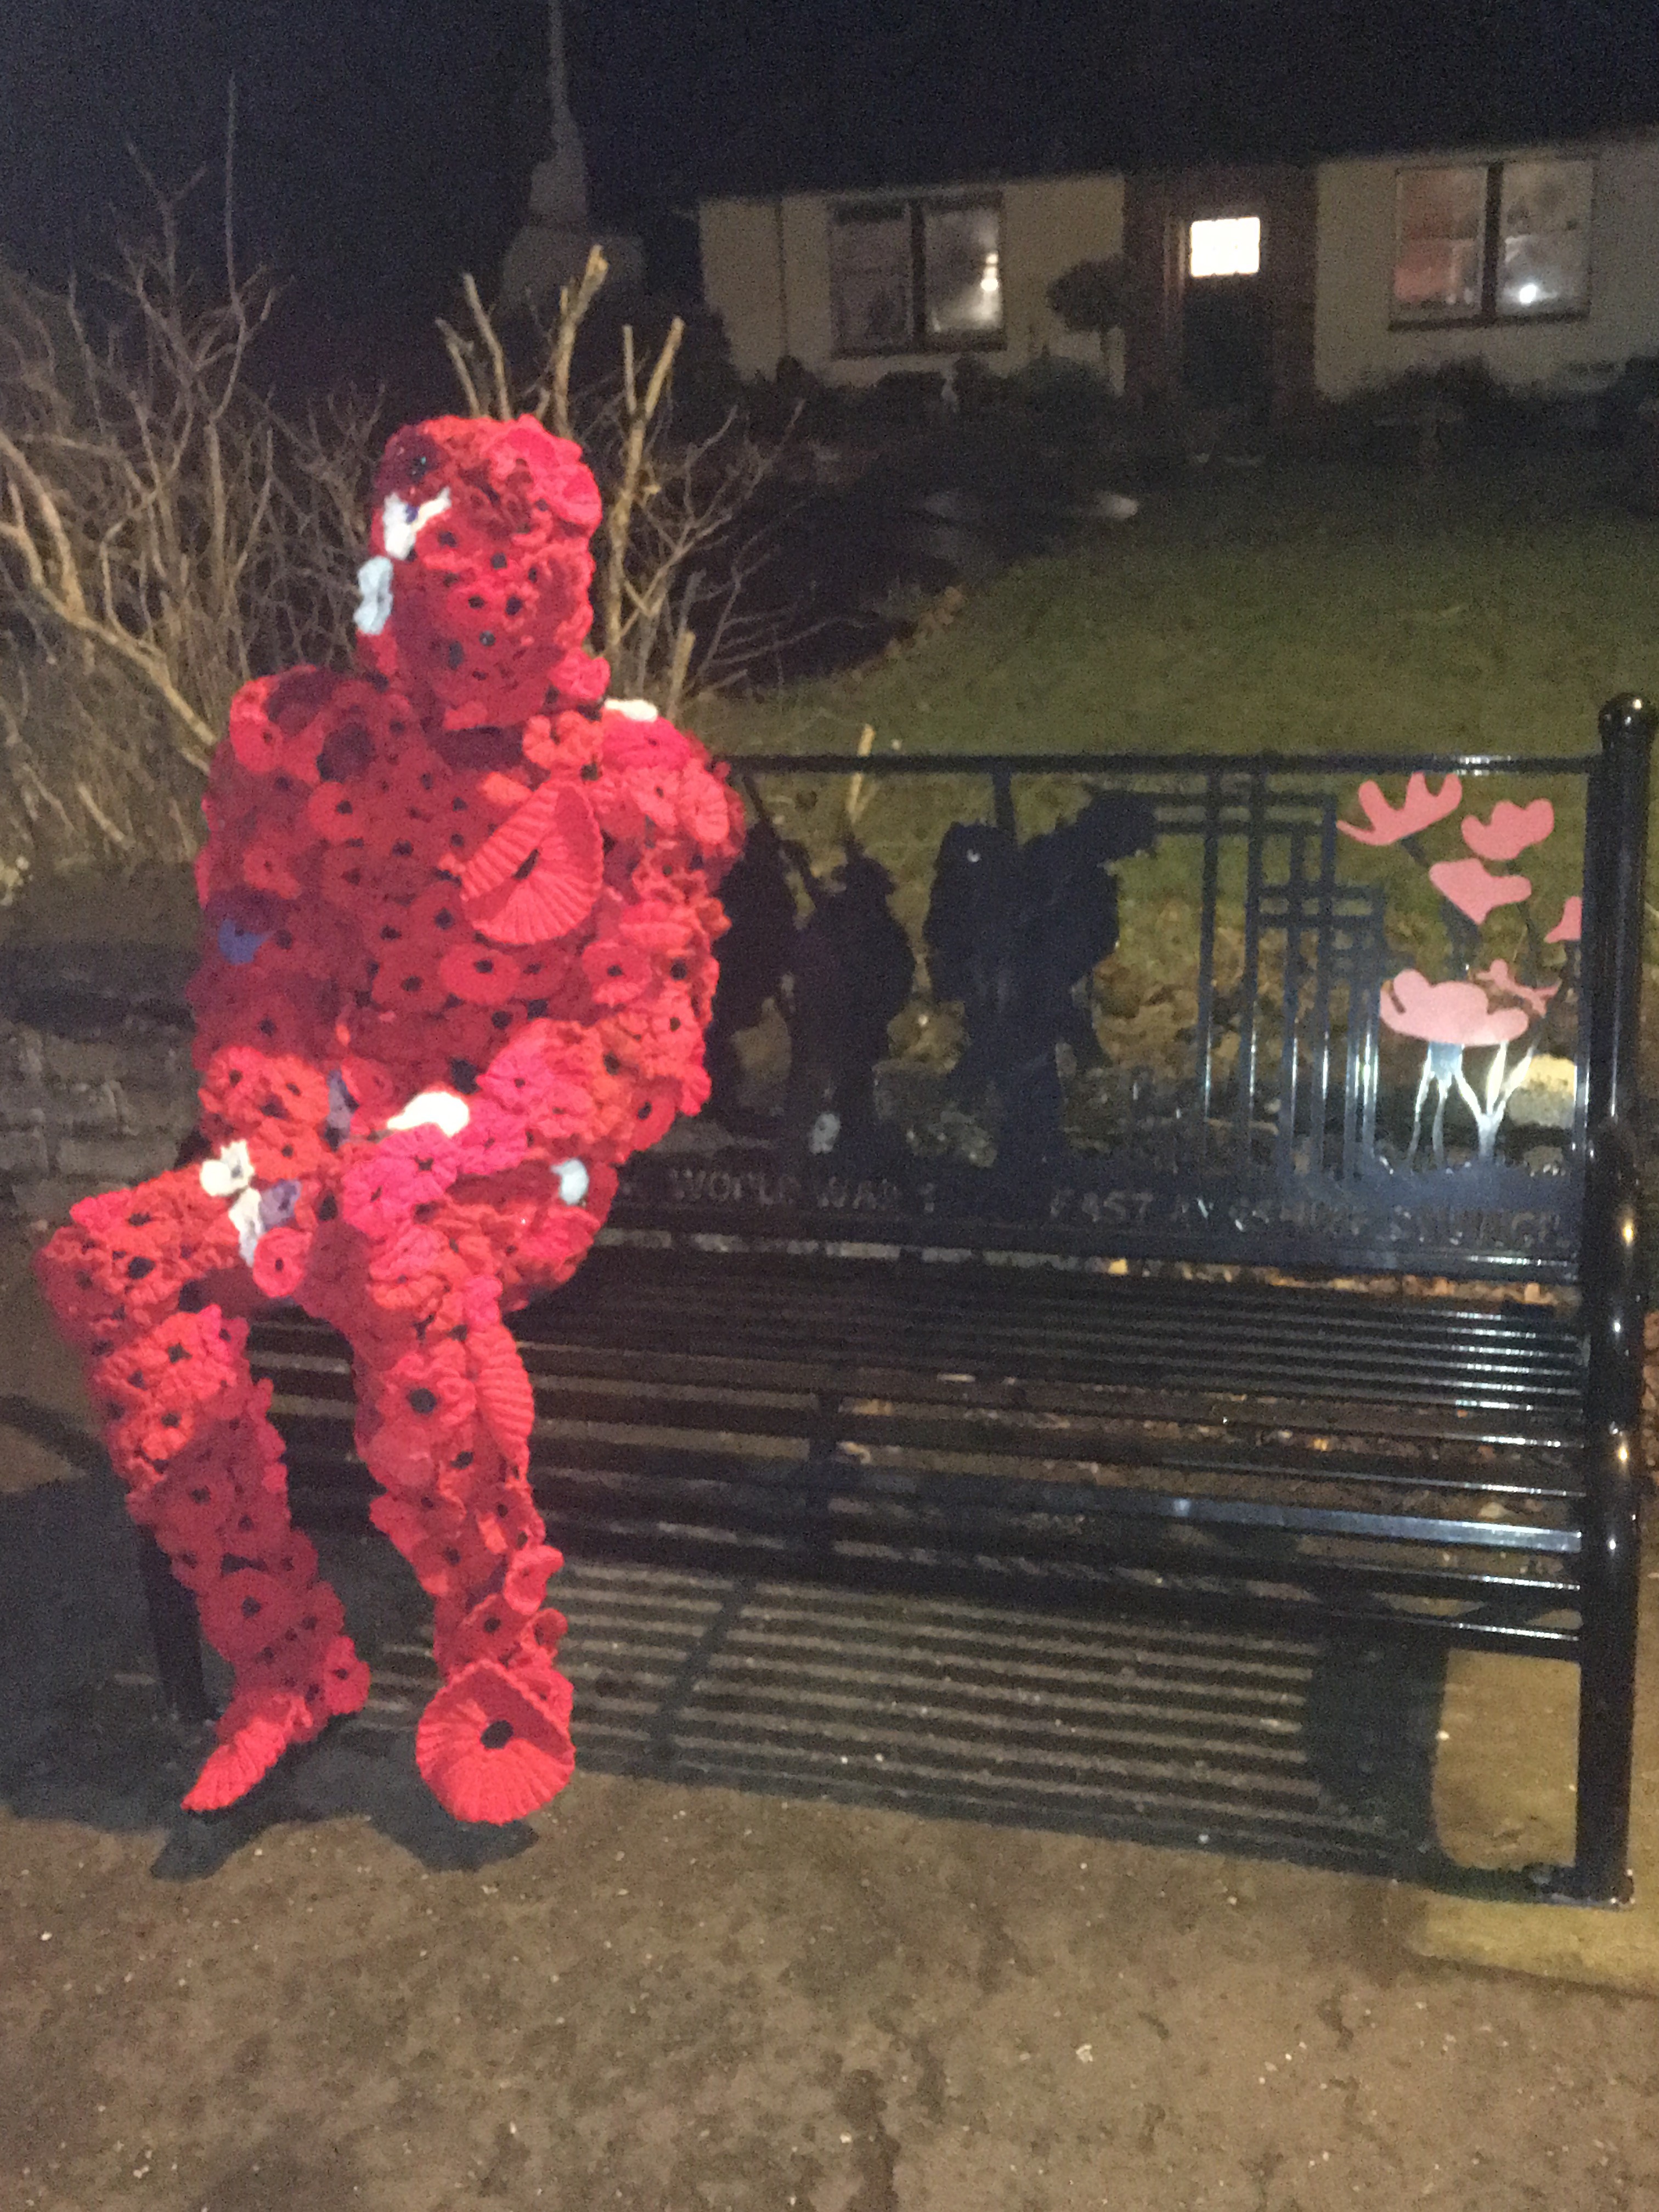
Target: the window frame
pixel 1488 313
pixel 917 206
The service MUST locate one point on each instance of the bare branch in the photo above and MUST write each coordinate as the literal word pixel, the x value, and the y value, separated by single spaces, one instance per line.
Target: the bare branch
pixel 455 347
pixel 492 345
pixel 554 392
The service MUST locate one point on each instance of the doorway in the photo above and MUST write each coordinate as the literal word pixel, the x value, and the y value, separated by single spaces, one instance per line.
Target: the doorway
pixel 1226 324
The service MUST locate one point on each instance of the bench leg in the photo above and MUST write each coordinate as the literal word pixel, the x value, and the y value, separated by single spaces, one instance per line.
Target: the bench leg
pixel 1607 1681
pixel 175 1632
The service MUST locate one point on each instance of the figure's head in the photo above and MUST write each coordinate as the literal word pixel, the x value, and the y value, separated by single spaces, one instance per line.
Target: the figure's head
pixel 477 589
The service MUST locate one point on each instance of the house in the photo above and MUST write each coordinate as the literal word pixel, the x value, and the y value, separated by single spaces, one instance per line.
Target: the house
pixel 1266 285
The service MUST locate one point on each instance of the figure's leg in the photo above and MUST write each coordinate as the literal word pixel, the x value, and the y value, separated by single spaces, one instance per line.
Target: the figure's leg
pixel 187 1433
pixel 444 1417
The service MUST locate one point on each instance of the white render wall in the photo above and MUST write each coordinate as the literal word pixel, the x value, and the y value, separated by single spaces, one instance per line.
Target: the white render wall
pixel 1353 345
pixel 766 273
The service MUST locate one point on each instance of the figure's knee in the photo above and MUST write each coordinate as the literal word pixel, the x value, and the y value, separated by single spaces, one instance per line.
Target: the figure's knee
pixel 123 1259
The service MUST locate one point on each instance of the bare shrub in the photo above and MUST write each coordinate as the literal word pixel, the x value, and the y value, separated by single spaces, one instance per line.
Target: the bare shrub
pixel 160 523
pixel 674 556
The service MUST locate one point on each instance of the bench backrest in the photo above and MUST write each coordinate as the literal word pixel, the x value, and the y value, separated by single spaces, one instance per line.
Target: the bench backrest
pixel 1357 1011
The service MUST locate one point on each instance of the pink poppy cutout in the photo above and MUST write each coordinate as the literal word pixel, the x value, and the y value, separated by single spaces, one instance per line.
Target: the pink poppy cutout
pixel 1472 891
pixel 1535 997
pixel 1511 831
pixel 1447 1013
pixel 1570 927
pixel 1389 825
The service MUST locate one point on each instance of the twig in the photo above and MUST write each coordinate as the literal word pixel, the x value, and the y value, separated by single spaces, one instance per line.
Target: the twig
pixel 492 346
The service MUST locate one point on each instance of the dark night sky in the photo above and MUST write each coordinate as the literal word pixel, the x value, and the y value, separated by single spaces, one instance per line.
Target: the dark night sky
pixel 385 144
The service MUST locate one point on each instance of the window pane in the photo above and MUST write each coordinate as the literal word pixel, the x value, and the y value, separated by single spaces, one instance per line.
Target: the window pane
pixel 960 253
pixel 870 280
pixel 1226 245
pixel 1545 224
pixel 1440 221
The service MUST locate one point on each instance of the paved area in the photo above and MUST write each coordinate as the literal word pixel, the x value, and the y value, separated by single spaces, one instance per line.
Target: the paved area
pixel 834 1916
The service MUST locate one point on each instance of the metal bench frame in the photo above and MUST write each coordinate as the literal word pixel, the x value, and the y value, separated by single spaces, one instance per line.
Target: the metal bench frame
pixel 903 1373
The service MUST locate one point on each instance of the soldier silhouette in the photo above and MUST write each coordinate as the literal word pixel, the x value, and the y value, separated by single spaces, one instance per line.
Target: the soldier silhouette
pixel 1013 933
pixel 838 979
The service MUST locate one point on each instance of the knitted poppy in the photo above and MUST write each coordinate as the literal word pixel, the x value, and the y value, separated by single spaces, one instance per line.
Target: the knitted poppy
pixel 374 1197
pixel 531 1668
pixel 420 1165
pixel 524 1585
pixel 431 1385
pixel 279 1264
pixel 482 974
pixel 420 1515
pixel 192 1510
pixel 278 722
pixel 565 743
pixel 616 971
pixel 454 1564
pixel 493 1141
pixel 504 1513
pixel 345 1677
pixel 548 1629
pixel 540 873
pixel 255 1527
pixel 247 1608
pixel 488 1750
pixel 487 1630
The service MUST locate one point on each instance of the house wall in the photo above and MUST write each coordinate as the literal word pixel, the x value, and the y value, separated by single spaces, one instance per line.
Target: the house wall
pixel 1353 345
pixel 766 273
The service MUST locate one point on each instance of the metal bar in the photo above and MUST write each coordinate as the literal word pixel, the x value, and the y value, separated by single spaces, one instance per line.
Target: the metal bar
pixel 1248 1011
pixel 1291 1005
pixel 1104 766
pixel 1615 864
pixel 1204 1034
pixel 1322 1023
pixel 175 1632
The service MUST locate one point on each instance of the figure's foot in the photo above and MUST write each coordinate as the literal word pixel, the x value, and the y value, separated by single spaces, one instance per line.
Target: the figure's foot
pixel 256 1730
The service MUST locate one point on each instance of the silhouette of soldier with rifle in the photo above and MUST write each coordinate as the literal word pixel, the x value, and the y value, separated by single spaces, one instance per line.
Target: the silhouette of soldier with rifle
pixel 1014 932
pixel 838 978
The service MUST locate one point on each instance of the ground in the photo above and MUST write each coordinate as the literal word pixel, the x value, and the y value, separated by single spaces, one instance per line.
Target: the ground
pixel 665 1993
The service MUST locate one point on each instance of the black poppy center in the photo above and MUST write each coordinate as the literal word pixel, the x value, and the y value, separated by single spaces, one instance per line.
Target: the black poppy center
pixel 496 1735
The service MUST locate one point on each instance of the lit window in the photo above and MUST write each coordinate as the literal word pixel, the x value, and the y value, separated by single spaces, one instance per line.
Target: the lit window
pixel 916 275
pixel 870 279
pixel 963 267
pixel 1544 225
pixel 1225 245
pixel 1507 239
pixel 1440 230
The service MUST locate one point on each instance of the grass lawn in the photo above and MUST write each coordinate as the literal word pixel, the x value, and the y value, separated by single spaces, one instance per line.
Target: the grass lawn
pixel 1296 606
pixel 1305 607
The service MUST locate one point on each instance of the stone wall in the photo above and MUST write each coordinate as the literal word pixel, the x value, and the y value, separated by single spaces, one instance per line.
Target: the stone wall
pixel 96 1085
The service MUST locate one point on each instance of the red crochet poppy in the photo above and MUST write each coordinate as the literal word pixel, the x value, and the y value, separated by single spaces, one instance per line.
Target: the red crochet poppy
pixel 505 1516
pixel 540 875
pixel 488 1750
pixel 245 1609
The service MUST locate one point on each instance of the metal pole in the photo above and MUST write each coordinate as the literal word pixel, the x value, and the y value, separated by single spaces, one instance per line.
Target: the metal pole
pixel 176 1633
pixel 1610 1281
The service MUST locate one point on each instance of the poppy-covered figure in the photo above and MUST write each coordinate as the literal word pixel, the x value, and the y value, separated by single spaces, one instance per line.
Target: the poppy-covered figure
pixel 458 921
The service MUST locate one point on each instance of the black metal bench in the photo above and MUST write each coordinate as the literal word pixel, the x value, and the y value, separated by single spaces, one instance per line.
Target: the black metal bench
pixel 1051 1289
